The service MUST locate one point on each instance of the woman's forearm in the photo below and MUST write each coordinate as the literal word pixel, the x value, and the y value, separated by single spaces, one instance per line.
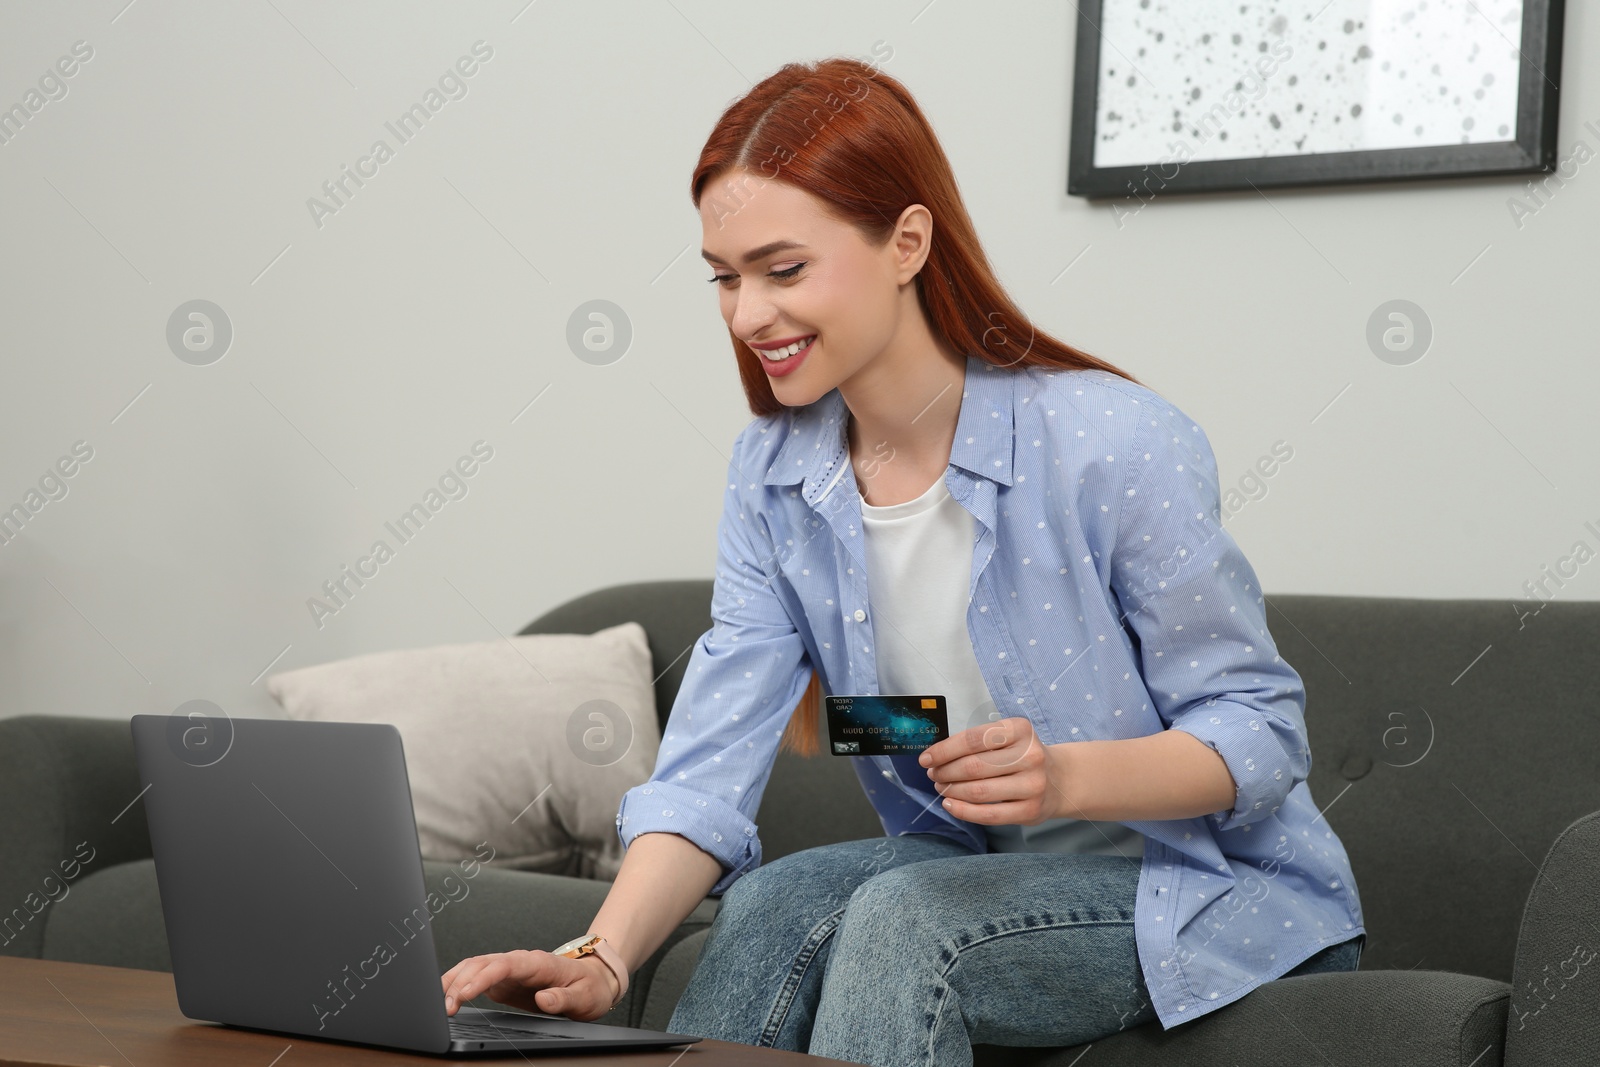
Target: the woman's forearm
pixel 662 878
pixel 1169 775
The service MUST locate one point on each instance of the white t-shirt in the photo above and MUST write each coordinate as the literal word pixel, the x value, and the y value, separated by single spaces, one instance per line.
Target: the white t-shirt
pixel 919 565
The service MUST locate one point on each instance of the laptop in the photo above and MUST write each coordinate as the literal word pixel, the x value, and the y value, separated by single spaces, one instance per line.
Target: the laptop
pixel 291 882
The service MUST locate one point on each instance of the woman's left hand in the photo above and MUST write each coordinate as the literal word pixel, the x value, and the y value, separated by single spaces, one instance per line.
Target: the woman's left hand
pixel 997 773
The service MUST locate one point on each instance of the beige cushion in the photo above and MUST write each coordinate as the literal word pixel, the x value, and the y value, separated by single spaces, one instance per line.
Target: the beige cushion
pixel 568 720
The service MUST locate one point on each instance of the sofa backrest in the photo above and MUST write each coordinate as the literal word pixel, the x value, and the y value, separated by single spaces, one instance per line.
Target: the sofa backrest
pixel 1451 741
pixel 807 801
pixel 1454 740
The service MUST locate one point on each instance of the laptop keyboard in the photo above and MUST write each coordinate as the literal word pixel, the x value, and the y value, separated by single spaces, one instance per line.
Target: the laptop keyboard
pixel 478 1029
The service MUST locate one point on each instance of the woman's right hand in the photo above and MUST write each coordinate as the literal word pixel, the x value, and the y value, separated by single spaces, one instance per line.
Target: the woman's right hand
pixel 533 980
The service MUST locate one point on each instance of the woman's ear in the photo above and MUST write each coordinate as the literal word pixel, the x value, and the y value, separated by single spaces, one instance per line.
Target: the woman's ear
pixel 912 241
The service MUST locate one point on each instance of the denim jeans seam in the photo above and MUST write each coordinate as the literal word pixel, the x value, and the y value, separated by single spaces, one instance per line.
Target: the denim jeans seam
pixel 791 983
pixel 944 998
pixel 1027 929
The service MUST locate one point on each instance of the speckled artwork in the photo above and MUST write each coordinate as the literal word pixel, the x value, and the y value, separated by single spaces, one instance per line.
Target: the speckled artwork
pixel 1204 80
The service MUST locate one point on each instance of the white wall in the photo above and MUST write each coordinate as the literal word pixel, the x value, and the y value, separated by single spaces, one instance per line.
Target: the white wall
pixel 372 351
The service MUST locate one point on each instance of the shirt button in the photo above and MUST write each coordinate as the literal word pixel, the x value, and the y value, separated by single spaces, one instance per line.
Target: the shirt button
pixel 861 616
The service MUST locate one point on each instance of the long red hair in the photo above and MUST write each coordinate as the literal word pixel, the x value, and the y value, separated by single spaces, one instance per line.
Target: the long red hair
pixel 853 137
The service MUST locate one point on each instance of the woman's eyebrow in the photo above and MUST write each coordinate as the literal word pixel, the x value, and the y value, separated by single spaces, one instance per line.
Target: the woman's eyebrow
pixel 755 253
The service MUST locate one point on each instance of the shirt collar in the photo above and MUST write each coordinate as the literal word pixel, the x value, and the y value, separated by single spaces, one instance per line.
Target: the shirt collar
pixel 817 448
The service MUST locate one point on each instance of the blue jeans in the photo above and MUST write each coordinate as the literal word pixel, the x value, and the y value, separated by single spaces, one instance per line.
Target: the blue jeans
pixel 908 950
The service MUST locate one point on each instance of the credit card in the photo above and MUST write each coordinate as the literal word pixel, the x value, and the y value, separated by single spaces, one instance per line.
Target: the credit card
pixel 885 725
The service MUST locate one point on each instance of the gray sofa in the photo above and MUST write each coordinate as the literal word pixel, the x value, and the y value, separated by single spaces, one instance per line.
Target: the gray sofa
pixel 1454 744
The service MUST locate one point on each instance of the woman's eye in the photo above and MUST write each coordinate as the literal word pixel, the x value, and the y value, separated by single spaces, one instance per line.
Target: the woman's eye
pixel 784 275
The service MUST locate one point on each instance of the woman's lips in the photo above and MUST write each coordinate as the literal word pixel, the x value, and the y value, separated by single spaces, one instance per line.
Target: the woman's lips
pixel 780 368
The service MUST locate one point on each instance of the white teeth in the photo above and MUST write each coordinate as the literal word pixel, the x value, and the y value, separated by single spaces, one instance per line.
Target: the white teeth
pixel 780 354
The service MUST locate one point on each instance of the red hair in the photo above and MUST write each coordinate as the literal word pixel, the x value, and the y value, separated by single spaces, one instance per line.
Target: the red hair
pixel 853 137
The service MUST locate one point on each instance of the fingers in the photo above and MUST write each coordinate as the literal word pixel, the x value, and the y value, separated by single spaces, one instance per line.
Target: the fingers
pixel 531 979
pixel 982 738
pixel 994 790
pixel 471 977
pixel 578 993
pixel 1007 813
pixel 1021 755
pixel 556 1000
pixel 520 968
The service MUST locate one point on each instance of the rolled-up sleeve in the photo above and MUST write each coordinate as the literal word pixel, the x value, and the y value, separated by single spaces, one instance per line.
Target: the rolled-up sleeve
pixel 744 677
pixel 1194 603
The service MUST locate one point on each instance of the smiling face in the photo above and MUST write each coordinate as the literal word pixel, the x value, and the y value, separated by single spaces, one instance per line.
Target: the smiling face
pixel 786 270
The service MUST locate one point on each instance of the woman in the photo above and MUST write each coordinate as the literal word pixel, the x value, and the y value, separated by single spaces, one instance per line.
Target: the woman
pixel 936 498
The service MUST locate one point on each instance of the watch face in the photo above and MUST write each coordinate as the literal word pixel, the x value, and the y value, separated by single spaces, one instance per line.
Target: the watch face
pixel 575 943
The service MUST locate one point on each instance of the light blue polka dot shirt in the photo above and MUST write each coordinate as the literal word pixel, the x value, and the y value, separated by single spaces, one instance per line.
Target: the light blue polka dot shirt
pixel 1107 601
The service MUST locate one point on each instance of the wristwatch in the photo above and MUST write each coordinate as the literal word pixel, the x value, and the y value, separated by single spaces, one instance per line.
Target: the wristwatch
pixel 595 945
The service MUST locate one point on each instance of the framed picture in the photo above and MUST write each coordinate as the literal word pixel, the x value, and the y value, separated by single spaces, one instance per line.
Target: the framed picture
pixel 1176 96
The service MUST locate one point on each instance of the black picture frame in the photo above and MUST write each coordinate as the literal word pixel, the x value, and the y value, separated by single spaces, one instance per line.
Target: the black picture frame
pixel 1533 148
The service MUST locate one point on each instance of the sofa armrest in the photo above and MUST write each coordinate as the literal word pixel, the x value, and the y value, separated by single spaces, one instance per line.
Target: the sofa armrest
pixel 1555 980
pixel 66 786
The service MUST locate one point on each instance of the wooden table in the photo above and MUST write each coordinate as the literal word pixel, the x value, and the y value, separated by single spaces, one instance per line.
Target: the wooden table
pixel 89 1016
